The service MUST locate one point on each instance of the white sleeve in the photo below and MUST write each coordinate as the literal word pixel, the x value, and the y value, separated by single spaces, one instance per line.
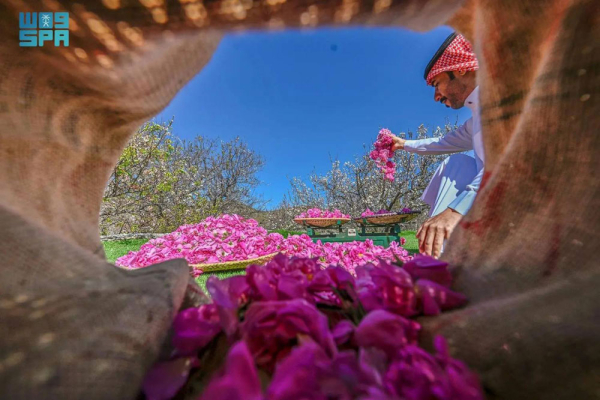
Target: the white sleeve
pixel 456 141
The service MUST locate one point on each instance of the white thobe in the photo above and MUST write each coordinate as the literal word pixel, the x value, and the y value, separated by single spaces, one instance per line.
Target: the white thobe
pixel 455 187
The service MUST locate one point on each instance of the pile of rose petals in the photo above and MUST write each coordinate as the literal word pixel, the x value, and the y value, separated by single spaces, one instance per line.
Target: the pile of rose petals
pixel 318 213
pixel 369 213
pixel 346 254
pixel 233 238
pixel 383 152
pixel 313 333
pixel 213 240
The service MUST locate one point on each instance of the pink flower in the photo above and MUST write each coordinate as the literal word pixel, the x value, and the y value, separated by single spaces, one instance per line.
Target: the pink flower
pixel 272 328
pixel 386 331
pixel 434 298
pixel 297 376
pixel 278 318
pixel 414 374
pixel 462 383
pixel 318 213
pixel 426 267
pixel 343 332
pixel 308 266
pixel 367 213
pixel 382 152
pixel 165 379
pixel 239 379
pixel 301 246
pixel 386 287
pixel 270 283
pixel 228 296
pixel 334 286
pixel 349 254
pixel 309 373
pixel 194 328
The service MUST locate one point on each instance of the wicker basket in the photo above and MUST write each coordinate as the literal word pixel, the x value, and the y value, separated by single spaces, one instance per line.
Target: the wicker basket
pixel 320 222
pixel 387 219
pixel 231 265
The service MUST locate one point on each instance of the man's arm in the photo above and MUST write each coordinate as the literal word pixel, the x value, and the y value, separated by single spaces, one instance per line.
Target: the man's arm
pixel 455 141
pixel 435 230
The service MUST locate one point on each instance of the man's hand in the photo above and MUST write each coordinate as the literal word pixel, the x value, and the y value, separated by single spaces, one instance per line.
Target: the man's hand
pixel 398 143
pixel 435 230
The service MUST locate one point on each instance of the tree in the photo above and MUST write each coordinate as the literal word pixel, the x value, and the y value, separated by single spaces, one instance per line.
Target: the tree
pixel 162 182
pixel 231 183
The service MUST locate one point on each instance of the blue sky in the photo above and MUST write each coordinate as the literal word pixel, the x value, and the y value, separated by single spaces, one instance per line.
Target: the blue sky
pixel 301 97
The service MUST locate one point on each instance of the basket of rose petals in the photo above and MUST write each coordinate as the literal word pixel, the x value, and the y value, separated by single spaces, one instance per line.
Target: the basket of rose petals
pixel 317 218
pixel 320 222
pixel 216 243
pixel 230 265
pixel 384 217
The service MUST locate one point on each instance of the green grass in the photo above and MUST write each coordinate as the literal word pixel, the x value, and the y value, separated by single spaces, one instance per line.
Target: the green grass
pixel 221 275
pixel 116 249
pixel 412 243
pixel 285 233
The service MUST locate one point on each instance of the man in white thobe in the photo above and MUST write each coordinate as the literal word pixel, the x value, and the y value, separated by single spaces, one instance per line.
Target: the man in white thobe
pixel 452 190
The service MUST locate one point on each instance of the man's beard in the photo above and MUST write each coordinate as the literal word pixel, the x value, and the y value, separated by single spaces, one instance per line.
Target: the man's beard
pixel 455 104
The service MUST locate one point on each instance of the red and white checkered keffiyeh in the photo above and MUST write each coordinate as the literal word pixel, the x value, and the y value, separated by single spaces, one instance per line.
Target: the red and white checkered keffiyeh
pixel 457 56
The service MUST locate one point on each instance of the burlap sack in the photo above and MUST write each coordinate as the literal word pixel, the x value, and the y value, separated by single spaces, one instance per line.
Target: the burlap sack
pixel 72 326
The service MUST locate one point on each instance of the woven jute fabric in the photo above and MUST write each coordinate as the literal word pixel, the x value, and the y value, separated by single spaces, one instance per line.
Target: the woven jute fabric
pixel 72 326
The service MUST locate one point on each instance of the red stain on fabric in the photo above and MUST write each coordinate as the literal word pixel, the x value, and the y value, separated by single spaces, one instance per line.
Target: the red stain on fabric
pixel 554 252
pixel 484 179
pixel 492 204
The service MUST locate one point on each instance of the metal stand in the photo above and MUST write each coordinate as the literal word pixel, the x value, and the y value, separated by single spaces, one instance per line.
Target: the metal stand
pixel 367 230
pixel 336 233
pixel 330 232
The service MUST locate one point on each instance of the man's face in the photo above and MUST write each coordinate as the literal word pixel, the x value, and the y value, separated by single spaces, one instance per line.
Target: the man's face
pixel 452 92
